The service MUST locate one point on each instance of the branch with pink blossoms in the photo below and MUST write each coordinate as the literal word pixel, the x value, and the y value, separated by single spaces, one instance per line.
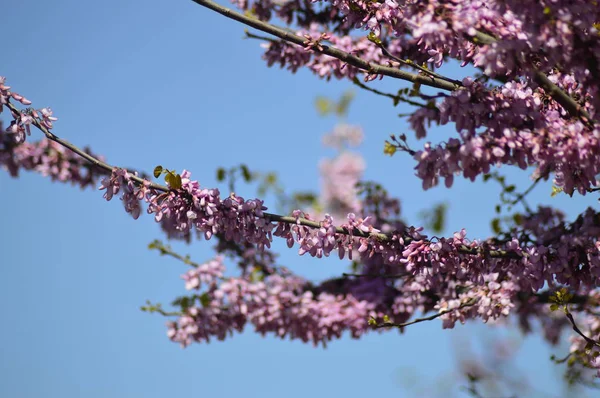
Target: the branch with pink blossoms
pixel 189 207
pixel 356 228
pixel 19 116
pixel 331 51
pixel 158 187
pixel 390 14
pixel 541 78
pixel 493 276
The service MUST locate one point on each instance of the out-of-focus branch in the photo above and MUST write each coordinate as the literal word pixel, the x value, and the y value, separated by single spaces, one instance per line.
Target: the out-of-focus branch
pixel 418 320
pixel 395 98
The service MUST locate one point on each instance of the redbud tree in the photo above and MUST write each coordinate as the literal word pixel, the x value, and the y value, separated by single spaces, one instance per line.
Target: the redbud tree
pixel 532 104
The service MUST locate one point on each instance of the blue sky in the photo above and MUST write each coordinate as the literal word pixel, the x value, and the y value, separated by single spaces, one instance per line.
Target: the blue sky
pixel 171 83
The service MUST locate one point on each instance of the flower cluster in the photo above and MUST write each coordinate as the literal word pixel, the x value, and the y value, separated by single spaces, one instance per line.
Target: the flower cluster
pixel 204 275
pixel 519 129
pixel 282 304
pixel 48 158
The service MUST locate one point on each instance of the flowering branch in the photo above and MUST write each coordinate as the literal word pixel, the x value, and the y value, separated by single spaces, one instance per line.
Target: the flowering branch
pixel 270 217
pixel 540 78
pixel 95 161
pixel 331 51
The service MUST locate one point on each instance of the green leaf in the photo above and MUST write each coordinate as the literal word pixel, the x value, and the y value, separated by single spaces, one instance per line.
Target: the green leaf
pixel 373 38
pixel 257 275
pixel 158 171
pixel 271 178
pixel 372 322
pixel 416 90
pixel 439 218
pixel 588 348
pixel 386 319
pixel 486 177
pixel 185 303
pixel 498 208
pixel 555 191
pixel 246 173
pixel 496 225
pixel 205 300
pixel 344 103
pixel 518 218
pixel 220 174
pixel 323 105
pixel 173 179
pixel 553 307
pixel 389 149
pixel 169 179
pixel 509 188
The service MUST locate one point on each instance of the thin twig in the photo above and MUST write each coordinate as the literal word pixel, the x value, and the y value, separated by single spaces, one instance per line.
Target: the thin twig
pixel 579 332
pixel 83 154
pixel 166 250
pixel 521 196
pixel 392 96
pixel 253 36
pixel 429 318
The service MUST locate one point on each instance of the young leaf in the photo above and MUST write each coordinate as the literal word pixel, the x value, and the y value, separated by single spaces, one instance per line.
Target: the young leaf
pixel 323 106
pixel 389 149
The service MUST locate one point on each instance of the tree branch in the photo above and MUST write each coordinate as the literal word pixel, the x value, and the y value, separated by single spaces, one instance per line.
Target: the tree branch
pixel 269 216
pixel 96 162
pixel 327 50
pixel 552 89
